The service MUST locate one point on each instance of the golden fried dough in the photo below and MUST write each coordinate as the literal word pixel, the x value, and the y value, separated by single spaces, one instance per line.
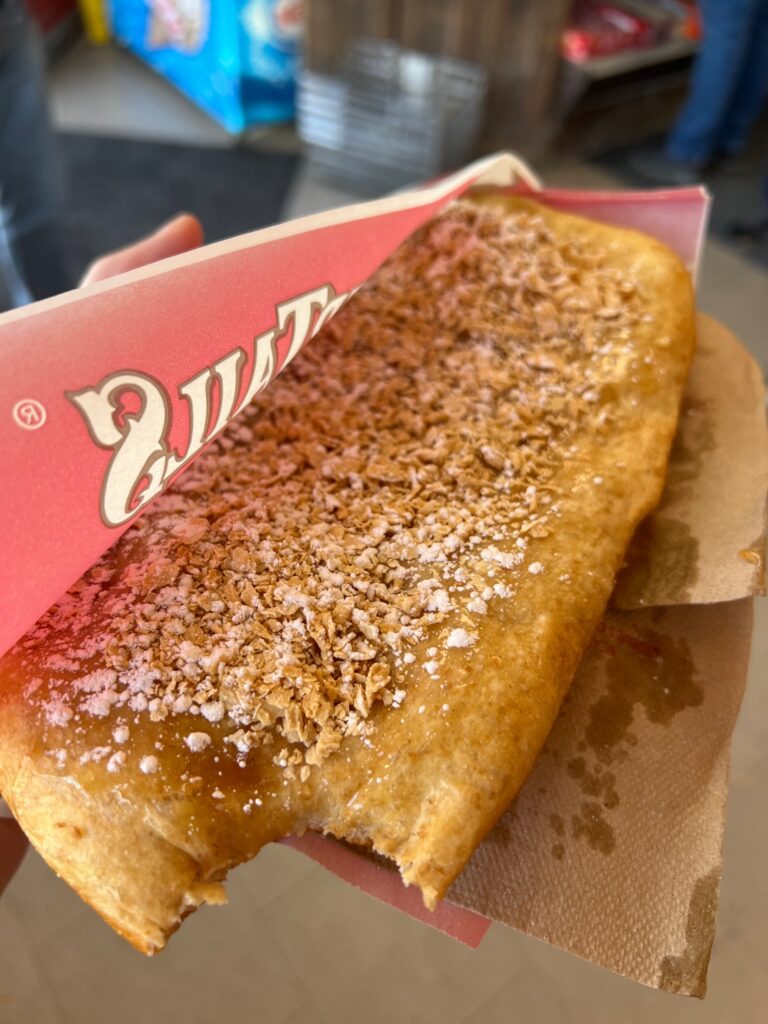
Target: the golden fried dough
pixel 360 610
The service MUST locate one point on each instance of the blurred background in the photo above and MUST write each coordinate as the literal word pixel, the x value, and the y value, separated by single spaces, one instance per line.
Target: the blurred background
pixel 116 115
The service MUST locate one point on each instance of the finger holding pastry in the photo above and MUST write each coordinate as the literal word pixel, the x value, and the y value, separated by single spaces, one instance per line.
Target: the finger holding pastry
pixel 180 234
pixel 13 846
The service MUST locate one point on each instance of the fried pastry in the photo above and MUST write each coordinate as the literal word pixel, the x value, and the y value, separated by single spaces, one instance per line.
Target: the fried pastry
pixel 359 611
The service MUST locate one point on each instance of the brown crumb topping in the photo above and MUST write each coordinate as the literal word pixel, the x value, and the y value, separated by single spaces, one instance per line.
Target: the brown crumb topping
pixel 383 490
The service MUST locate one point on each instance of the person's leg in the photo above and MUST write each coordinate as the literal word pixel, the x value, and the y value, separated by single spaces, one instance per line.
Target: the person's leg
pixel 728 26
pixel 29 180
pixel 751 90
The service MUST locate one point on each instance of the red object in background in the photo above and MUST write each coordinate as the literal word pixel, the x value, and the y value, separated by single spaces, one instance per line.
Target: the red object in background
pixel 690 27
pixel 50 13
pixel 598 29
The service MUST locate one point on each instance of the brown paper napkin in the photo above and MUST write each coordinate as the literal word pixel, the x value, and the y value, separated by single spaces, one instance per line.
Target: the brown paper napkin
pixel 706 540
pixel 613 848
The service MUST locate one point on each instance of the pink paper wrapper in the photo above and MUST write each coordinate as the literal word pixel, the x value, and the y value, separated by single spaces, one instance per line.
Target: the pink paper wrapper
pixel 107 392
pixel 465 925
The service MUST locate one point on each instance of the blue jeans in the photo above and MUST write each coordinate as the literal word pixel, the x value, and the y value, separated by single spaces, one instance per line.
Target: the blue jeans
pixel 31 251
pixel 729 85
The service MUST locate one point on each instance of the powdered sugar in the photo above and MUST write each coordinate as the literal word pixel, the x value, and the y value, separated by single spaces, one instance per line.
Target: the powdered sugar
pixel 439 601
pixel 213 710
pixel 197 741
pixel 57 712
pixel 460 638
pixel 506 559
pixel 116 762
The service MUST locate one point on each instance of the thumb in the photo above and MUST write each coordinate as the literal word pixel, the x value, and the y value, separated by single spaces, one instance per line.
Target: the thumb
pixel 13 845
pixel 176 236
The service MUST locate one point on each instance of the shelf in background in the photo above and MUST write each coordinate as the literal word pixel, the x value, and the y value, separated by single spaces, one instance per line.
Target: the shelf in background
pixel 630 60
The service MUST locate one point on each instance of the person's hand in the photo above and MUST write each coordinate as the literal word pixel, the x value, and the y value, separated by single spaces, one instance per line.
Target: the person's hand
pixel 13 844
pixel 176 236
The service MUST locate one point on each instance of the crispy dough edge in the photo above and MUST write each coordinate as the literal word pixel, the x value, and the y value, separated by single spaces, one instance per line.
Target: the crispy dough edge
pixel 139 882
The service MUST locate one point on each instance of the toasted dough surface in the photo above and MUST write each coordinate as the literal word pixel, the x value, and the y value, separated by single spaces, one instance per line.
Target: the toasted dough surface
pixel 359 612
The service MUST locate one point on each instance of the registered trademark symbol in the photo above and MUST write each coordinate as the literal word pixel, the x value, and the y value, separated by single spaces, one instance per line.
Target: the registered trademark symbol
pixel 29 414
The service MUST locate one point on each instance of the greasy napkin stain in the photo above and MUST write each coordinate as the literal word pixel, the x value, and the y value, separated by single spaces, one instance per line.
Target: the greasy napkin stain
pixel 688 971
pixel 648 670
pixel 557 849
pixel 755 554
pixel 664 551
pixel 597 783
pixel 662 548
pixel 592 824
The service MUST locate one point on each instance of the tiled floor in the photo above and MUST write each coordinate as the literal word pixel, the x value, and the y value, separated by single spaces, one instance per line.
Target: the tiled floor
pixel 297 946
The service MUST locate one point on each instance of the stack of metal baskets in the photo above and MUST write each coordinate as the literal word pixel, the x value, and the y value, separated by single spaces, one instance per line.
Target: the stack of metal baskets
pixel 392 117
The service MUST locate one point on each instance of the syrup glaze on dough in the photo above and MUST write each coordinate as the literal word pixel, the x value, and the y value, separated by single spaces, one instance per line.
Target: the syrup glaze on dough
pixel 360 610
